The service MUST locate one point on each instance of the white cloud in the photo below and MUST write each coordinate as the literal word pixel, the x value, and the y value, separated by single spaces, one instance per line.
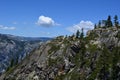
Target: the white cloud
pixel 6 28
pixel 86 25
pixel 46 21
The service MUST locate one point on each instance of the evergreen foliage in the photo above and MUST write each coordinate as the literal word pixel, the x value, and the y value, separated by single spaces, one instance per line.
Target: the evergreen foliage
pixel 116 23
pixel 82 34
pixel 99 24
pixel 77 34
pixel 95 26
pixel 109 22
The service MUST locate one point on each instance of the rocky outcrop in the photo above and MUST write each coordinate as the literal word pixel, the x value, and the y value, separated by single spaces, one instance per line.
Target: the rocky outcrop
pixel 109 36
pixel 95 57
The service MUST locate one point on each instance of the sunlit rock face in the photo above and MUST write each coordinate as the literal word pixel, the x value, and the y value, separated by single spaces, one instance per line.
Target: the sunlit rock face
pixel 94 57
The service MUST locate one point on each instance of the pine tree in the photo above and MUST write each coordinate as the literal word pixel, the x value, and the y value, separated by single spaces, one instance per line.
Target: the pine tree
pixel 109 22
pixel 77 34
pixel 12 63
pixel 82 34
pixel 95 26
pixel 116 23
pixel 99 24
pixel 115 60
pixel 105 60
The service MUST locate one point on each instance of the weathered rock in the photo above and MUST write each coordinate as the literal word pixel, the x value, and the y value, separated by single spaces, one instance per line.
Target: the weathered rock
pixel 64 59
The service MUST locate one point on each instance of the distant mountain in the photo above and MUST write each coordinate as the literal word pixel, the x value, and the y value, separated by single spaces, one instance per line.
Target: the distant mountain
pixel 20 38
pixel 94 57
pixel 15 48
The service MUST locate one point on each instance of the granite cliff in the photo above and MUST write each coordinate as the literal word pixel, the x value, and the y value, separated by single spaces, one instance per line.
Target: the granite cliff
pixel 94 57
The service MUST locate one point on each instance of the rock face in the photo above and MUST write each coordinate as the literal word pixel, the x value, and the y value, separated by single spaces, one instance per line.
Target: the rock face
pixel 95 57
pixel 109 36
pixel 14 48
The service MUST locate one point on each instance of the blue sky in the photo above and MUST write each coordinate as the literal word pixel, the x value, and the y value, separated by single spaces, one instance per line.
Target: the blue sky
pixel 50 18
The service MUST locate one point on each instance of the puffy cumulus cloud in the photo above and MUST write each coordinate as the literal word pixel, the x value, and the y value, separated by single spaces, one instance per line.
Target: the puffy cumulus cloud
pixel 6 28
pixel 86 25
pixel 46 21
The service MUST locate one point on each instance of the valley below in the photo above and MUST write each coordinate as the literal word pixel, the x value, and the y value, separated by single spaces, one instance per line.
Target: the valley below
pixel 13 49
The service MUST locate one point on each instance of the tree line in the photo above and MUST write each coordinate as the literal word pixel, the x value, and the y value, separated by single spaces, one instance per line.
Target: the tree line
pixel 108 23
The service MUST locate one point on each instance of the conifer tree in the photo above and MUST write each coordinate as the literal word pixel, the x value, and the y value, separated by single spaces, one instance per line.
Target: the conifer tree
pixel 109 22
pixel 116 23
pixel 77 34
pixel 95 26
pixel 82 34
pixel 99 24
pixel 105 59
